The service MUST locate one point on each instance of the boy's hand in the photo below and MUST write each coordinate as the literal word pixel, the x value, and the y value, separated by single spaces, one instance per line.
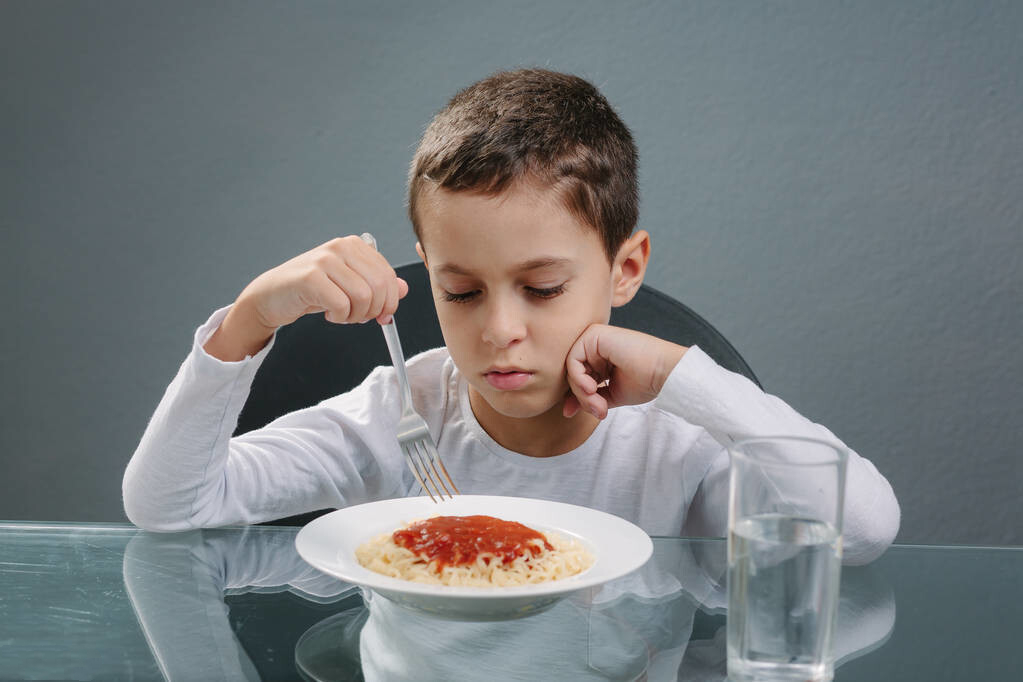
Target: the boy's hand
pixel 634 366
pixel 345 278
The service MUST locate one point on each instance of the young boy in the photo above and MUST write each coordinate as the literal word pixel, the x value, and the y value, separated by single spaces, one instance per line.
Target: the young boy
pixel 523 198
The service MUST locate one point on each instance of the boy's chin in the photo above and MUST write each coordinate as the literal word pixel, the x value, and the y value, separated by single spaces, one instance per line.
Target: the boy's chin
pixel 515 406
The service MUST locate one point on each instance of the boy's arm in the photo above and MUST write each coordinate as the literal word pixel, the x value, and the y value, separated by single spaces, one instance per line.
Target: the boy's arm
pixel 729 407
pixel 188 472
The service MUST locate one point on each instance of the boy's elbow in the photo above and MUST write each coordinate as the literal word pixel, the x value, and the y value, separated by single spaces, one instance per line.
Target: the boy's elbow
pixel 870 531
pixel 146 517
pixel 153 523
pixel 130 499
pixel 871 513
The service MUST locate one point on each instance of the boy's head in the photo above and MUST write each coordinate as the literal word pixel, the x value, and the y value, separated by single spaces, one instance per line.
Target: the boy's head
pixel 551 129
pixel 523 197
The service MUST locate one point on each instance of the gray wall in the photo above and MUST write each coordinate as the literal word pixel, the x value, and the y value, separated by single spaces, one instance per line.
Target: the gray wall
pixel 836 186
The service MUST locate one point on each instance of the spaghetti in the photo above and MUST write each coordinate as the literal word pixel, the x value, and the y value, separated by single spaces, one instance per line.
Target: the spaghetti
pixel 473 551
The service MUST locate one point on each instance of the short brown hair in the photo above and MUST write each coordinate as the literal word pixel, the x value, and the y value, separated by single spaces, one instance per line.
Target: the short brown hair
pixel 555 128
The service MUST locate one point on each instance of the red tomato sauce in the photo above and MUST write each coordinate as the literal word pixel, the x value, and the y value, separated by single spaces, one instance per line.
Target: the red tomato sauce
pixel 458 540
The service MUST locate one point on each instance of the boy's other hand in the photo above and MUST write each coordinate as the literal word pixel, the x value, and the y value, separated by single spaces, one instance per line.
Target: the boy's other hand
pixel 611 366
pixel 346 279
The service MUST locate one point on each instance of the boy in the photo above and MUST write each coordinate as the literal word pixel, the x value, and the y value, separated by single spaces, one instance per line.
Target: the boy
pixel 523 199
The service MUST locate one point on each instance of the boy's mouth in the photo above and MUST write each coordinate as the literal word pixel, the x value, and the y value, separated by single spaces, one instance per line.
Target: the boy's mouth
pixel 507 380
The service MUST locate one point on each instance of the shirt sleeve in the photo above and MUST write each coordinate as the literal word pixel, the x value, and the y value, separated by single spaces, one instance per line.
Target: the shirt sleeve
pixel 730 407
pixel 188 472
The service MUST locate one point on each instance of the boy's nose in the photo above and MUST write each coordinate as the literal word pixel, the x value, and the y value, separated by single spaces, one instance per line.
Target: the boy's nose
pixel 504 325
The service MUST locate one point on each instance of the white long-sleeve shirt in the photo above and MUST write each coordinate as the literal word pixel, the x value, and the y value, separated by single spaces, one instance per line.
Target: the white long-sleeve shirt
pixel 662 465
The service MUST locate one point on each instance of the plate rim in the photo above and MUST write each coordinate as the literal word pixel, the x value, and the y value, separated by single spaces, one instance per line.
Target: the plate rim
pixel 381 583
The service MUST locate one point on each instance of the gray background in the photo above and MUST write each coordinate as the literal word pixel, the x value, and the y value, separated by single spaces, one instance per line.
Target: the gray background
pixel 836 186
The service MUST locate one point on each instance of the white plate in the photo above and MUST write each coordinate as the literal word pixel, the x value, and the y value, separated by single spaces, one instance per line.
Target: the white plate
pixel 618 547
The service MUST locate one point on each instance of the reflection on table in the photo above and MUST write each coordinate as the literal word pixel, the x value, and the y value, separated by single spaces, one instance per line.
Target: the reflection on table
pixel 240 604
pixel 638 627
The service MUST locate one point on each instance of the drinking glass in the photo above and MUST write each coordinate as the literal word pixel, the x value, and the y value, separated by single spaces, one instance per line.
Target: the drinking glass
pixel 784 557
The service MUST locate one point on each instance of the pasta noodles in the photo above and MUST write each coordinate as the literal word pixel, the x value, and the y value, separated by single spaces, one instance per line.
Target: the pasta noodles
pixel 473 551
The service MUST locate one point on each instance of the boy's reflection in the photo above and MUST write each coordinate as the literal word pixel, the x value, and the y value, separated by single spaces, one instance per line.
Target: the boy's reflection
pixel 664 622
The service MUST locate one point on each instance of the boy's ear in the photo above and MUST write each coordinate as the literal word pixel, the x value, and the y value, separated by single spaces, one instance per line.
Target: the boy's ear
pixel 422 254
pixel 629 267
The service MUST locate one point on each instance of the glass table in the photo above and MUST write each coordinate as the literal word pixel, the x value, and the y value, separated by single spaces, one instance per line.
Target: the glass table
pixel 111 602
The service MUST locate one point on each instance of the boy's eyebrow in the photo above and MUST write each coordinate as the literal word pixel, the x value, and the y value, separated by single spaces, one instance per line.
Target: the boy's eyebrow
pixel 533 264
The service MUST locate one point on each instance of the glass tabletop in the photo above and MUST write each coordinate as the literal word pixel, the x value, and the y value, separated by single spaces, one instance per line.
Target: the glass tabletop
pixel 84 601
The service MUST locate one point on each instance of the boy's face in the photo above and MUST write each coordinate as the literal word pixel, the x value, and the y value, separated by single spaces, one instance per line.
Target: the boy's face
pixel 517 278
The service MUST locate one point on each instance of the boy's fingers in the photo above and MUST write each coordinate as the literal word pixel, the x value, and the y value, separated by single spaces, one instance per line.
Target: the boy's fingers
pixel 337 306
pixel 579 376
pixel 379 280
pixel 386 287
pixel 391 306
pixel 594 403
pixel 585 391
pixel 356 289
pixel 394 294
pixel 571 406
pixel 368 280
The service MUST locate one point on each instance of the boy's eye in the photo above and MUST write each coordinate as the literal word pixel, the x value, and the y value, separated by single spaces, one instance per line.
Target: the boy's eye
pixel 548 292
pixel 537 292
pixel 463 297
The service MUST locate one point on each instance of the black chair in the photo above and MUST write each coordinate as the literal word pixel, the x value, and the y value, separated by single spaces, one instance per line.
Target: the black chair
pixel 313 359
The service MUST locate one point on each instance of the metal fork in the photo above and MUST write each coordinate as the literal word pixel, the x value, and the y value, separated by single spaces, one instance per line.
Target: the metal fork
pixel 413 435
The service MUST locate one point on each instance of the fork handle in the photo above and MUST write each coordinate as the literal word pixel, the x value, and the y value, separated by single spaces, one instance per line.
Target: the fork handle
pixel 398 360
pixel 393 343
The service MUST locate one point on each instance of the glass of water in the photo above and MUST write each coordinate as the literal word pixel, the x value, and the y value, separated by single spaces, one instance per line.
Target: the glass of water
pixel 784 557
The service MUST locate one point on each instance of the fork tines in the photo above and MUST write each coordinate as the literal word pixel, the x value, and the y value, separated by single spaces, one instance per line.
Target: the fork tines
pixel 428 468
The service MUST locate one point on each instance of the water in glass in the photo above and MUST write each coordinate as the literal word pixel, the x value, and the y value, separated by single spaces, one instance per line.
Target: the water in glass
pixel 783 586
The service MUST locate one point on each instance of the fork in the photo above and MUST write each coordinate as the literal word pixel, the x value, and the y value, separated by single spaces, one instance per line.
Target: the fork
pixel 414 437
